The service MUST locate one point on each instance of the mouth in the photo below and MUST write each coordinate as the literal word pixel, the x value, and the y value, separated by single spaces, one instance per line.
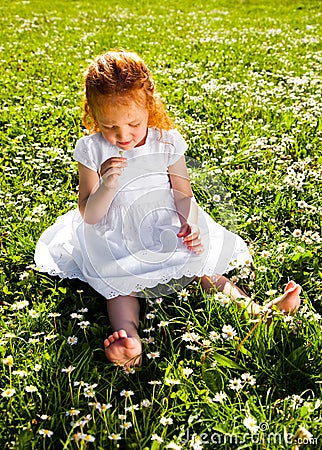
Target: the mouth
pixel 124 144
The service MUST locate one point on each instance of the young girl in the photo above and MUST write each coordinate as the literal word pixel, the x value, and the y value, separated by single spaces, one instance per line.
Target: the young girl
pixel 137 230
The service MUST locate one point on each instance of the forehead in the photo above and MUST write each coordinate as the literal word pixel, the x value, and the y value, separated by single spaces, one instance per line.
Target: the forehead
pixel 116 112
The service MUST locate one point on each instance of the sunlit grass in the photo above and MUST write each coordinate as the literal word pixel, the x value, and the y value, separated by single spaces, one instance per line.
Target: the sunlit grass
pixel 243 82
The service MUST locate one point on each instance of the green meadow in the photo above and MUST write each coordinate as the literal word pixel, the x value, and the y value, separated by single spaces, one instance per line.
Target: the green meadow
pixel 242 80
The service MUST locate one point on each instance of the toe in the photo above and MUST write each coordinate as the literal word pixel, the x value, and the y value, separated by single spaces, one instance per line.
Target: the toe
pixel 122 334
pixel 290 285
pixel 116 335
pixel 111 339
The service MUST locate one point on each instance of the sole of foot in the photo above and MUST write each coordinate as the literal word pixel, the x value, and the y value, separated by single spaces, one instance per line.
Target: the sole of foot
pixel 290 301
pixel 122 349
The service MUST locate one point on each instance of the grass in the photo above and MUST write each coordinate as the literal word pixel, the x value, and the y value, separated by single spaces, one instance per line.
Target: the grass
pixel 243 81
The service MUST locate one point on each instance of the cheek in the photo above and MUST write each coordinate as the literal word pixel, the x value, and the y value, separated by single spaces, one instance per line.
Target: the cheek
pixel 141 132
pixel 109 136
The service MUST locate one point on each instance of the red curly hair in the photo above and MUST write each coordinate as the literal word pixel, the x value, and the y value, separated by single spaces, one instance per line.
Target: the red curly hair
pixel 122 76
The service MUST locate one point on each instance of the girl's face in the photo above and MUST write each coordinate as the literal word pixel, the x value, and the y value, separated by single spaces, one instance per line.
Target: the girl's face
pixel 123 125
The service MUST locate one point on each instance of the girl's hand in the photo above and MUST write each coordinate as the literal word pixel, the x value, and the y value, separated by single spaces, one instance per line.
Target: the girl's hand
pixel 111 169
pixel 191 237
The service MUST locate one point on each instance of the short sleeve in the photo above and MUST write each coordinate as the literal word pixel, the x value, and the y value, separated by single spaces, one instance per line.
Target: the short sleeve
pixel 177 147
pixel 82 154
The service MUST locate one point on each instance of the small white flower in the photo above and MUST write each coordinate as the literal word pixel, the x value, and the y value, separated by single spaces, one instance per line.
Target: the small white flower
pixel 128 369
pixel 73 412
pixel 104 407
pixel 183 294
pixel 76 436
pixel 84 324
pixel 146 403
pixel 149 340
pixel 20 373
pixel 174 446
pixel 302 204
pixel 247 378
pixel 192 347
pixel 187 371
pixel 153 355
pixel 87 438
pixel 72 340
pixel 228 332
pixel 196 442
pixel 126 425
pixel 166 421
pixel 157 438
pixel 46 433
pixel 214 335
pixel 89 392
pixel 250 423
pixel 222 299
pixel 220 397
pixel 171 381
pixel 148 330
pixel 132 408
pixel 37 367
pixel 76 316
pixel 150 316
pixel 23 275
pixel 114 437
pixel 235 384
pixel 68 369
pixel 44 417
pixel 8 392
pixel 190 337
pixel 33 313
pixel 8 361
pixel 31 388
pixel 297 233
pixel 125 393
pixel 20 305
pixel 271 292
pixel 54 314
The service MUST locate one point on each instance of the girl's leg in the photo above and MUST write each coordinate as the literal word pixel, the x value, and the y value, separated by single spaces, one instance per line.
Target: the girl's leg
pixel 288 302
pixel 123 346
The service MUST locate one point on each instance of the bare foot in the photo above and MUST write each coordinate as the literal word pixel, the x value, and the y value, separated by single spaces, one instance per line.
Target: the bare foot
pixel 123 350
pixel 290 301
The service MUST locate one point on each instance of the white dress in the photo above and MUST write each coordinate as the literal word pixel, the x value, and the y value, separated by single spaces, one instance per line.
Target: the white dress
pixel 135 248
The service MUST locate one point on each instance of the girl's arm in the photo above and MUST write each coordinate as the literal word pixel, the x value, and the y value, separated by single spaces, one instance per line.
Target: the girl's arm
pixel 187 209
pixel 94 199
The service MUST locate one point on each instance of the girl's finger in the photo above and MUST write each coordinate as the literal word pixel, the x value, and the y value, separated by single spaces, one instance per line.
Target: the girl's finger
pixel 198 249
pixel 119 162
pixel 112 171
pixel 195 242
pixel 192 236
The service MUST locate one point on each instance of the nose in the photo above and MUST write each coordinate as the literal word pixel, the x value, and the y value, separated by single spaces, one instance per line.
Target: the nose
pixel 123 135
